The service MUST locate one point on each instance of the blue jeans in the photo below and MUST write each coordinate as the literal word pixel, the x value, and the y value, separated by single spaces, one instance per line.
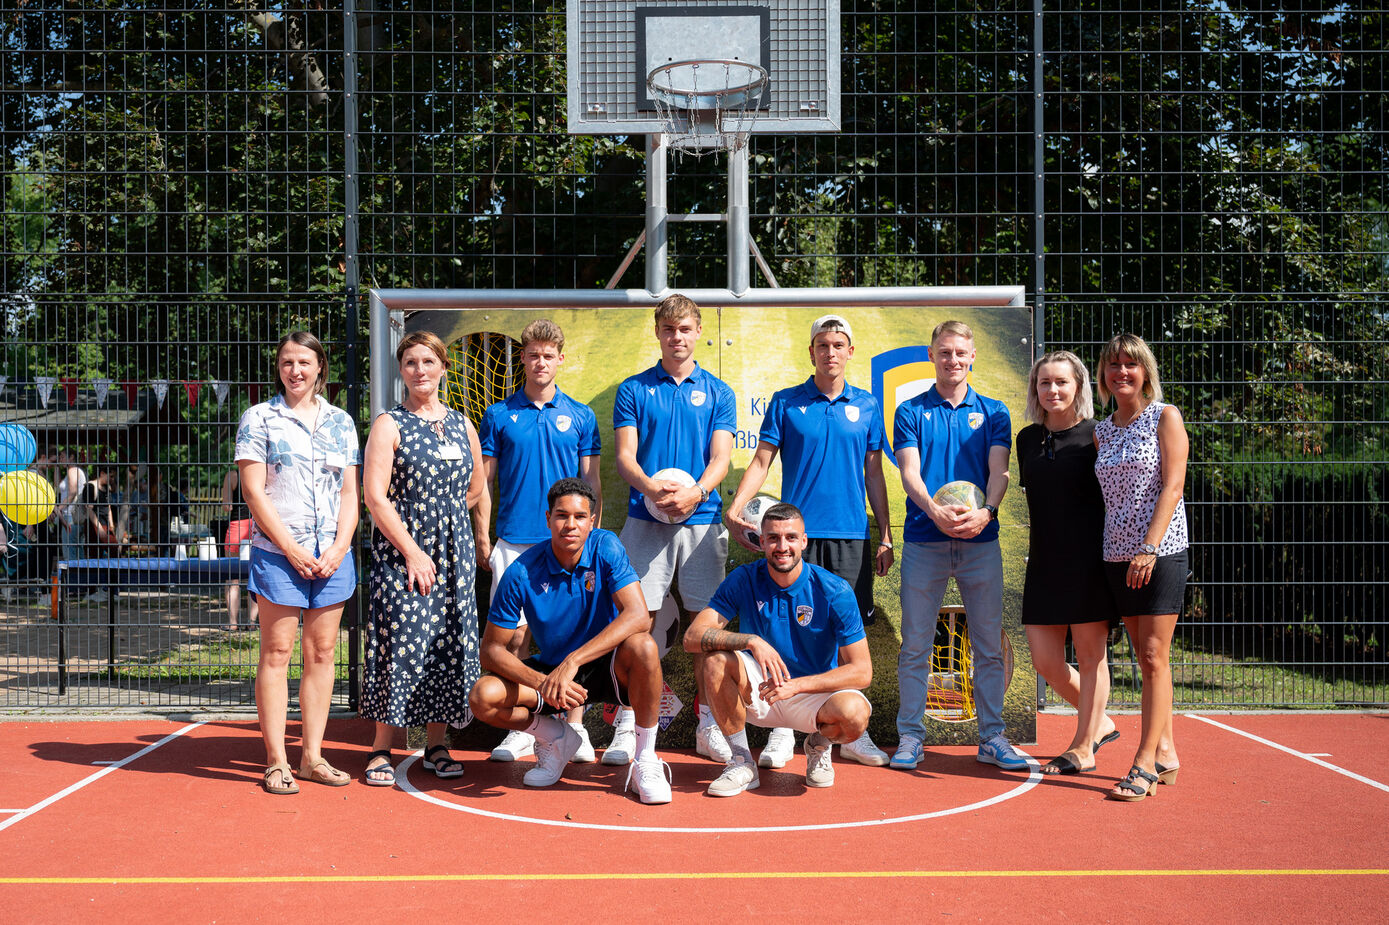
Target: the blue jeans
pixel 978 571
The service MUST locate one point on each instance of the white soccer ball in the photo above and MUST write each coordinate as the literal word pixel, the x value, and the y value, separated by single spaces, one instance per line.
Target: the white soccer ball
pixel 752 513
pixel 668 475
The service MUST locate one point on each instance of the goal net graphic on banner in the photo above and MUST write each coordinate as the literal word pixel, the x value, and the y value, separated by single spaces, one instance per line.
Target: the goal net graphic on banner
pixel 484 368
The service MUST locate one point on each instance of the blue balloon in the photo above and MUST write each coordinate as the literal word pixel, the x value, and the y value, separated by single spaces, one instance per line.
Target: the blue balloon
pixel 17 447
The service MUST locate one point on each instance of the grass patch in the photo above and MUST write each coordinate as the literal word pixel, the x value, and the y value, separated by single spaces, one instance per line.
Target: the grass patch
pixel 1204 680
pixel 223 657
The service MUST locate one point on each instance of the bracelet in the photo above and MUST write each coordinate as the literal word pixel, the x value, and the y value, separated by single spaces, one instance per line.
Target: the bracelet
pixel 884 545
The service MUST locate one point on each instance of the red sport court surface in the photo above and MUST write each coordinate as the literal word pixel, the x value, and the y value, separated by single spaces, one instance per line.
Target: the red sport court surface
pixel 1274 818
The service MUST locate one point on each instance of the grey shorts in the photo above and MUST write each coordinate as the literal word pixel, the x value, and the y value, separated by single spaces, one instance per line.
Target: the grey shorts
pixel 692 555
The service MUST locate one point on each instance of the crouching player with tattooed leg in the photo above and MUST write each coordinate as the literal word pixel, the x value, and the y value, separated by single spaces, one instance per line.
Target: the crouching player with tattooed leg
pixel 593 632
pixel 800 659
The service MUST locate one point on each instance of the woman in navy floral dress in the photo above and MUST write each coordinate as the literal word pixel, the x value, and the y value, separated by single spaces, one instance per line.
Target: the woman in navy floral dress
pixel 420 477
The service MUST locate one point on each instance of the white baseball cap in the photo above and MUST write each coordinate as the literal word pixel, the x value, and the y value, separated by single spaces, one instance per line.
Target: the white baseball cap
pixel 830 323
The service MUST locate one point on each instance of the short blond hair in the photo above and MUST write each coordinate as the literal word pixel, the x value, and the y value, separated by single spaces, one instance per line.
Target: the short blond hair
pixel 958 328
pixel 1137 348
pixel 1084 405
pixel 675 307
pixel 542 331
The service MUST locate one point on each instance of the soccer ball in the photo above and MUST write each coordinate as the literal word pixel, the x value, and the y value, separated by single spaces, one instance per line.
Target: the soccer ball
pixel 752 513
pixel 961 492
pixel 668 475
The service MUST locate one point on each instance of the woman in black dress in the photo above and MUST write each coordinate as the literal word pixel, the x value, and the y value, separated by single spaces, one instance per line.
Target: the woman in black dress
pixel 1065 589
pixel 423 472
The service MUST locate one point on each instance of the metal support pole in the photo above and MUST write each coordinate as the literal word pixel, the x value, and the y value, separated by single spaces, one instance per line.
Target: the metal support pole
pixel 657 267
pixel 351 62
pixel 739 252
pixel 1039 192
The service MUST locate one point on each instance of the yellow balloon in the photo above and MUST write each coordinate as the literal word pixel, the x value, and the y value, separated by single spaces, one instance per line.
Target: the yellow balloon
pixel 26 497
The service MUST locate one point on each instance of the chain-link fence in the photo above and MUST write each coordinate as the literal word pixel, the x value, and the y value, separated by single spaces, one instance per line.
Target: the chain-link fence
pixel 184 183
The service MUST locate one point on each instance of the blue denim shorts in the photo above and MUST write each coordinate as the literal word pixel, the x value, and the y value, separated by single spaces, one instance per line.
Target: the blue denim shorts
pixel 273 578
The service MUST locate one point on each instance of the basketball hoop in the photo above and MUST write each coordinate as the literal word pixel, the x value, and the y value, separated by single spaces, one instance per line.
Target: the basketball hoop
pixel 706 105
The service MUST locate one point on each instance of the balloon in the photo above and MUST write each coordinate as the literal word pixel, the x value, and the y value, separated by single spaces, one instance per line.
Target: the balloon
pixel 17 447
pixel 26 497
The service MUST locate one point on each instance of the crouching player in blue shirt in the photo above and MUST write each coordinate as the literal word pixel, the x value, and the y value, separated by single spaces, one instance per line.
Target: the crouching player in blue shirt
pixel 800 659
pixel 593 632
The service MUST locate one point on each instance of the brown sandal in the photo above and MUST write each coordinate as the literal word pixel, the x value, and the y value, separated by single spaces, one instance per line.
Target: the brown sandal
pixel 279 780
pixel 324 773
pixel 1134 787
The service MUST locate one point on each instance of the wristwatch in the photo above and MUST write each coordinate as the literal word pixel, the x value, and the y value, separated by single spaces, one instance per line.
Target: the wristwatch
pixel 1147 549
pixel 703 493
pixel 993 511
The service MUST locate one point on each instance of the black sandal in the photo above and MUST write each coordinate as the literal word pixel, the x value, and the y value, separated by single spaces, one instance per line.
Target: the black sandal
pixel 446 767
pixel 389 779
pixel 1063 765
pixel 1135 790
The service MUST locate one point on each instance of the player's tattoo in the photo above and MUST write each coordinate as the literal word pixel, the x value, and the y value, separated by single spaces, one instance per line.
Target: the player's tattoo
pixel 717 640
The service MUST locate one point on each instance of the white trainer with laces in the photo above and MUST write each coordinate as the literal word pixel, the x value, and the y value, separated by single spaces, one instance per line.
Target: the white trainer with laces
pixel 819 769
pixel 864 751
pixel 584 754
pixel 710 743
pixel 738 775
pixel 621 749
pixel 650 777
pixel 516 745
pixel 551 757
pixel 781 745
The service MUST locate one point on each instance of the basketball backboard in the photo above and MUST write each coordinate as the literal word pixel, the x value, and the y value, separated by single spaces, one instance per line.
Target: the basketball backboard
pixel 613 45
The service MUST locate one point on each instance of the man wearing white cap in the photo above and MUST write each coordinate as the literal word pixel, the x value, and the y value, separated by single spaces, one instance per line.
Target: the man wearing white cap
pixel 830 436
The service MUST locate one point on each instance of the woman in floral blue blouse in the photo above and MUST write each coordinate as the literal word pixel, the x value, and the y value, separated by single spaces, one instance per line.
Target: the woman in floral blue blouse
pixel 298 457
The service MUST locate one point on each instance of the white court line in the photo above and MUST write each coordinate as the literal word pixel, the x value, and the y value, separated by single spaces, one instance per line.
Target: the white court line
pixel 1305 756
pixel 402 779
pixel 116 766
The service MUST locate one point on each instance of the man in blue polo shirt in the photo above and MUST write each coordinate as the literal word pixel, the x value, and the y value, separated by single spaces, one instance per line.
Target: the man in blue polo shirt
pixel 529 441
pixel 950 432
pixel 676 415
pixel 830 437
pixel 799 659
pixel 592 631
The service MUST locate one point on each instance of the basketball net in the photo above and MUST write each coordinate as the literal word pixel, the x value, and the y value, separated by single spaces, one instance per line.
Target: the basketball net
pixel 706 106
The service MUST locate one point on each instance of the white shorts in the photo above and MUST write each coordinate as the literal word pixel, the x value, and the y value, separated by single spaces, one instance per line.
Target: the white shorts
pixel 691 554
pixel 503 554
pixel 797 713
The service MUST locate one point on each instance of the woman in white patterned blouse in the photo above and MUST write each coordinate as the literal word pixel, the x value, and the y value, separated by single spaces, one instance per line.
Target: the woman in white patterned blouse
pixel 1141 466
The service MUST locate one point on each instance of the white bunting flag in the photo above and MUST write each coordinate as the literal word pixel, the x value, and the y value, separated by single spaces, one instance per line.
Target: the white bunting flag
pixel 161 390
pixel 45 384
pixel 102 387
pixel 221 389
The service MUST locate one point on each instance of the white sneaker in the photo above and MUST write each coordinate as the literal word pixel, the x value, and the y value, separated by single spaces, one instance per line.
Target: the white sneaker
pixel 781 745
pixel 621 749
pixel 738 775
pixel 819 770
pixel 864 751
pixel 551 757
pixel 517 744
pixel 584 754
pixel 710 743
pixel 652 779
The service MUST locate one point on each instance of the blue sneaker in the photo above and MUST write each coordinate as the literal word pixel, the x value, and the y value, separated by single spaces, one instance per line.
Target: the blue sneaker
pixel 996 750
pixel 908 754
